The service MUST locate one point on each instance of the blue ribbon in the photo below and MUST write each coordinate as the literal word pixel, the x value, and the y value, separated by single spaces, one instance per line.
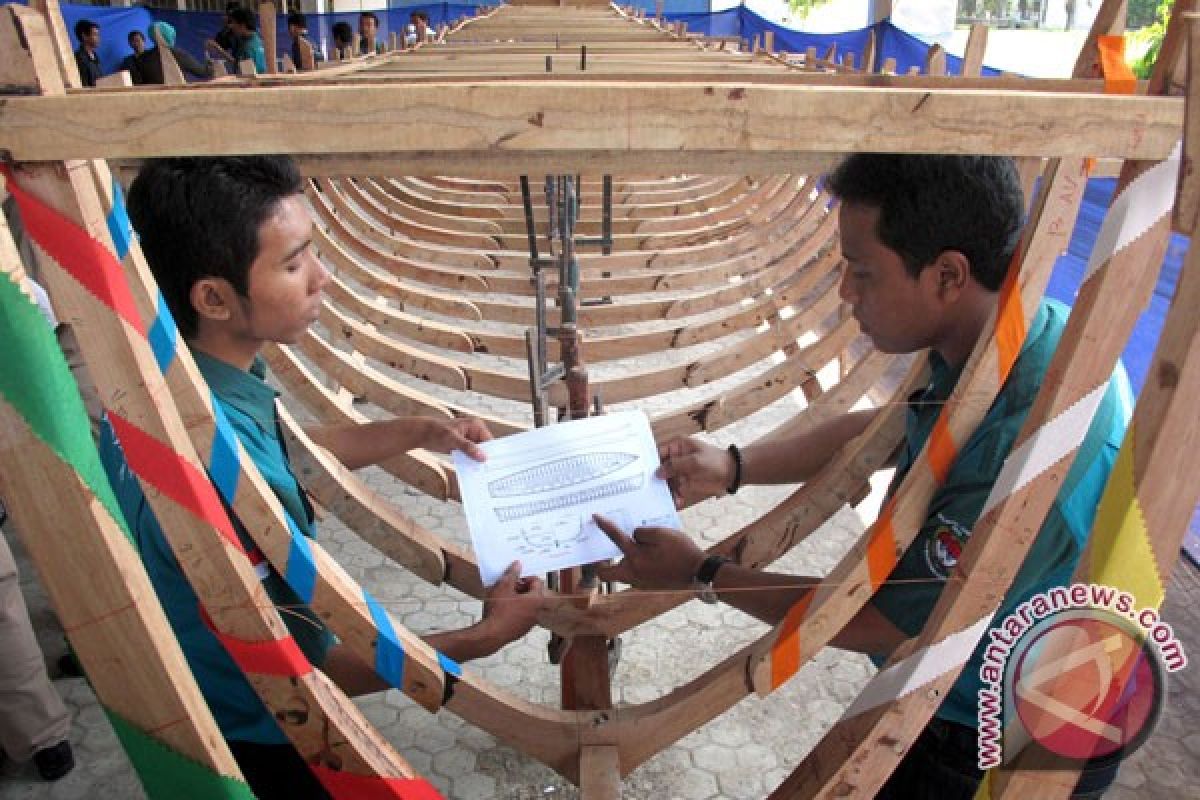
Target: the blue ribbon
pixel 389 655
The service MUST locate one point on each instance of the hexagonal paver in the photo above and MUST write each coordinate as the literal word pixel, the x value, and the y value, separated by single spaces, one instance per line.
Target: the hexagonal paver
pixel 474 787
pixel 714 758
pixel 454 763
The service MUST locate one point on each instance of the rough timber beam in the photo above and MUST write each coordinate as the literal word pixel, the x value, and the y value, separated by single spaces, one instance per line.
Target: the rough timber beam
pixel 597 124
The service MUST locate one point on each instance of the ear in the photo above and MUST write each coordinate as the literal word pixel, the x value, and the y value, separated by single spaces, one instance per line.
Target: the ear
pixel 213 299
pixel 951 272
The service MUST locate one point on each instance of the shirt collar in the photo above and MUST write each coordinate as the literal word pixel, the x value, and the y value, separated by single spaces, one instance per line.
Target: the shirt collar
pixel 247 391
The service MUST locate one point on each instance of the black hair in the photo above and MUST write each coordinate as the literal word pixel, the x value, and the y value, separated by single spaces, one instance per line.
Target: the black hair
pixel 83 28
pixel 244 16
pixel 929 204
pixel 342 33
pixel 298 19
pixel 421 15
pixel 129 38
pixel 199 217
pixel 369 15
pixel 231 7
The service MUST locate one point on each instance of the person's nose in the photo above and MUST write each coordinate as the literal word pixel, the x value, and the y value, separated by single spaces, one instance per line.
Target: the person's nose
pixel 845 289
pixel 321 275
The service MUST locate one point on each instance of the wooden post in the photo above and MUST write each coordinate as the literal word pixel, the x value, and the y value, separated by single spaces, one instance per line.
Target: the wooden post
pixel 308 61
pixel 972 66
pixel 879 10
pixel 268 23
pixel 869 51
pixel 118 78
pixel 60 39
pixel 935 60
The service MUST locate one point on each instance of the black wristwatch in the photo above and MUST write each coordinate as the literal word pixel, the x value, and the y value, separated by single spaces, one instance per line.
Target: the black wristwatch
pixel 703 582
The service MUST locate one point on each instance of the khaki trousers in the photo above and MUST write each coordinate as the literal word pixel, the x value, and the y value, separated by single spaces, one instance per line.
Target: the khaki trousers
pixel 32 715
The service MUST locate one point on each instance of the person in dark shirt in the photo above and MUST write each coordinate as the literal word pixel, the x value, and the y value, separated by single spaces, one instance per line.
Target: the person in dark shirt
pixel 149 63
pixel 88 34
pixel 368 30
pixel 249 45
pixel 230 241
pixel 130 64
pixel 297 25
pixel 223 42
pixel 343 41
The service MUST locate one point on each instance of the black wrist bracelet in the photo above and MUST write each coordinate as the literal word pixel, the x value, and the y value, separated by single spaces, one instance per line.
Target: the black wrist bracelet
pixel 737 470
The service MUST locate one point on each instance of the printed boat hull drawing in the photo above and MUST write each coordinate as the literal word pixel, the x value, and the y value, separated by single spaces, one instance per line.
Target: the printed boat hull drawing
pixel 610 489
pixel 559 474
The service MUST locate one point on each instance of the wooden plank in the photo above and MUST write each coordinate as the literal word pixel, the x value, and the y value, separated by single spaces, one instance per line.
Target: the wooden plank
pixel 590 122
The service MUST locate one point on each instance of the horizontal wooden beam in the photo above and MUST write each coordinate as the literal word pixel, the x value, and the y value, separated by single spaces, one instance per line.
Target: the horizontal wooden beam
pixel 600 124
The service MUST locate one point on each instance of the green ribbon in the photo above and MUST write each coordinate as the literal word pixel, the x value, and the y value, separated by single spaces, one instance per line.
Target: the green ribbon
pixel 36 381
pixel 169 775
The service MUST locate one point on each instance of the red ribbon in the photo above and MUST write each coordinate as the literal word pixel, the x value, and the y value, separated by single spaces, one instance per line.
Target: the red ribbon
pixel 87 260
pixel 272 657
pixel 171 474
pixel 347 786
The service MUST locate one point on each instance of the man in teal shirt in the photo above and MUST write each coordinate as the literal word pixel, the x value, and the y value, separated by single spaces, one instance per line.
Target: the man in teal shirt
pixel 927 240
pixel 229 241
pixel 247 43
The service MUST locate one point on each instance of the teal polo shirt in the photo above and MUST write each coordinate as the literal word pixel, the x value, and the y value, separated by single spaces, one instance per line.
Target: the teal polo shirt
pixel 907 599
pixel 249 405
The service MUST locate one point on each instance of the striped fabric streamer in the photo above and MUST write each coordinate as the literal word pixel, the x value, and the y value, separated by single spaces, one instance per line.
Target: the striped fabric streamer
pixel 37 384
pixel 1147 199
pixel 225 467
pixel 939 455
pixel 94 266
pixel 922 667
pixel 1056 440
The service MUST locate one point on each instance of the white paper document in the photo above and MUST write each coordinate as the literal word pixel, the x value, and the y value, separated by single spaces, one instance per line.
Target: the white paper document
pixel 534 497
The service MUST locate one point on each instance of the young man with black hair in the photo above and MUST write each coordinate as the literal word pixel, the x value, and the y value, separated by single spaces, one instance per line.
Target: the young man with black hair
pixel 248 45
pixel 368 30
pixel 927 241
pixel 419 20
pixel 229 241
pixel 137 45
pixel 297 26
pixel 343 41
pixel 225 40
pixel 86 58
pixel 149 62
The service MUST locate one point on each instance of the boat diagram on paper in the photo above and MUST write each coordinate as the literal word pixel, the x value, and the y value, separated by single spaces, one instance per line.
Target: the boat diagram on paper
pixel 534 498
